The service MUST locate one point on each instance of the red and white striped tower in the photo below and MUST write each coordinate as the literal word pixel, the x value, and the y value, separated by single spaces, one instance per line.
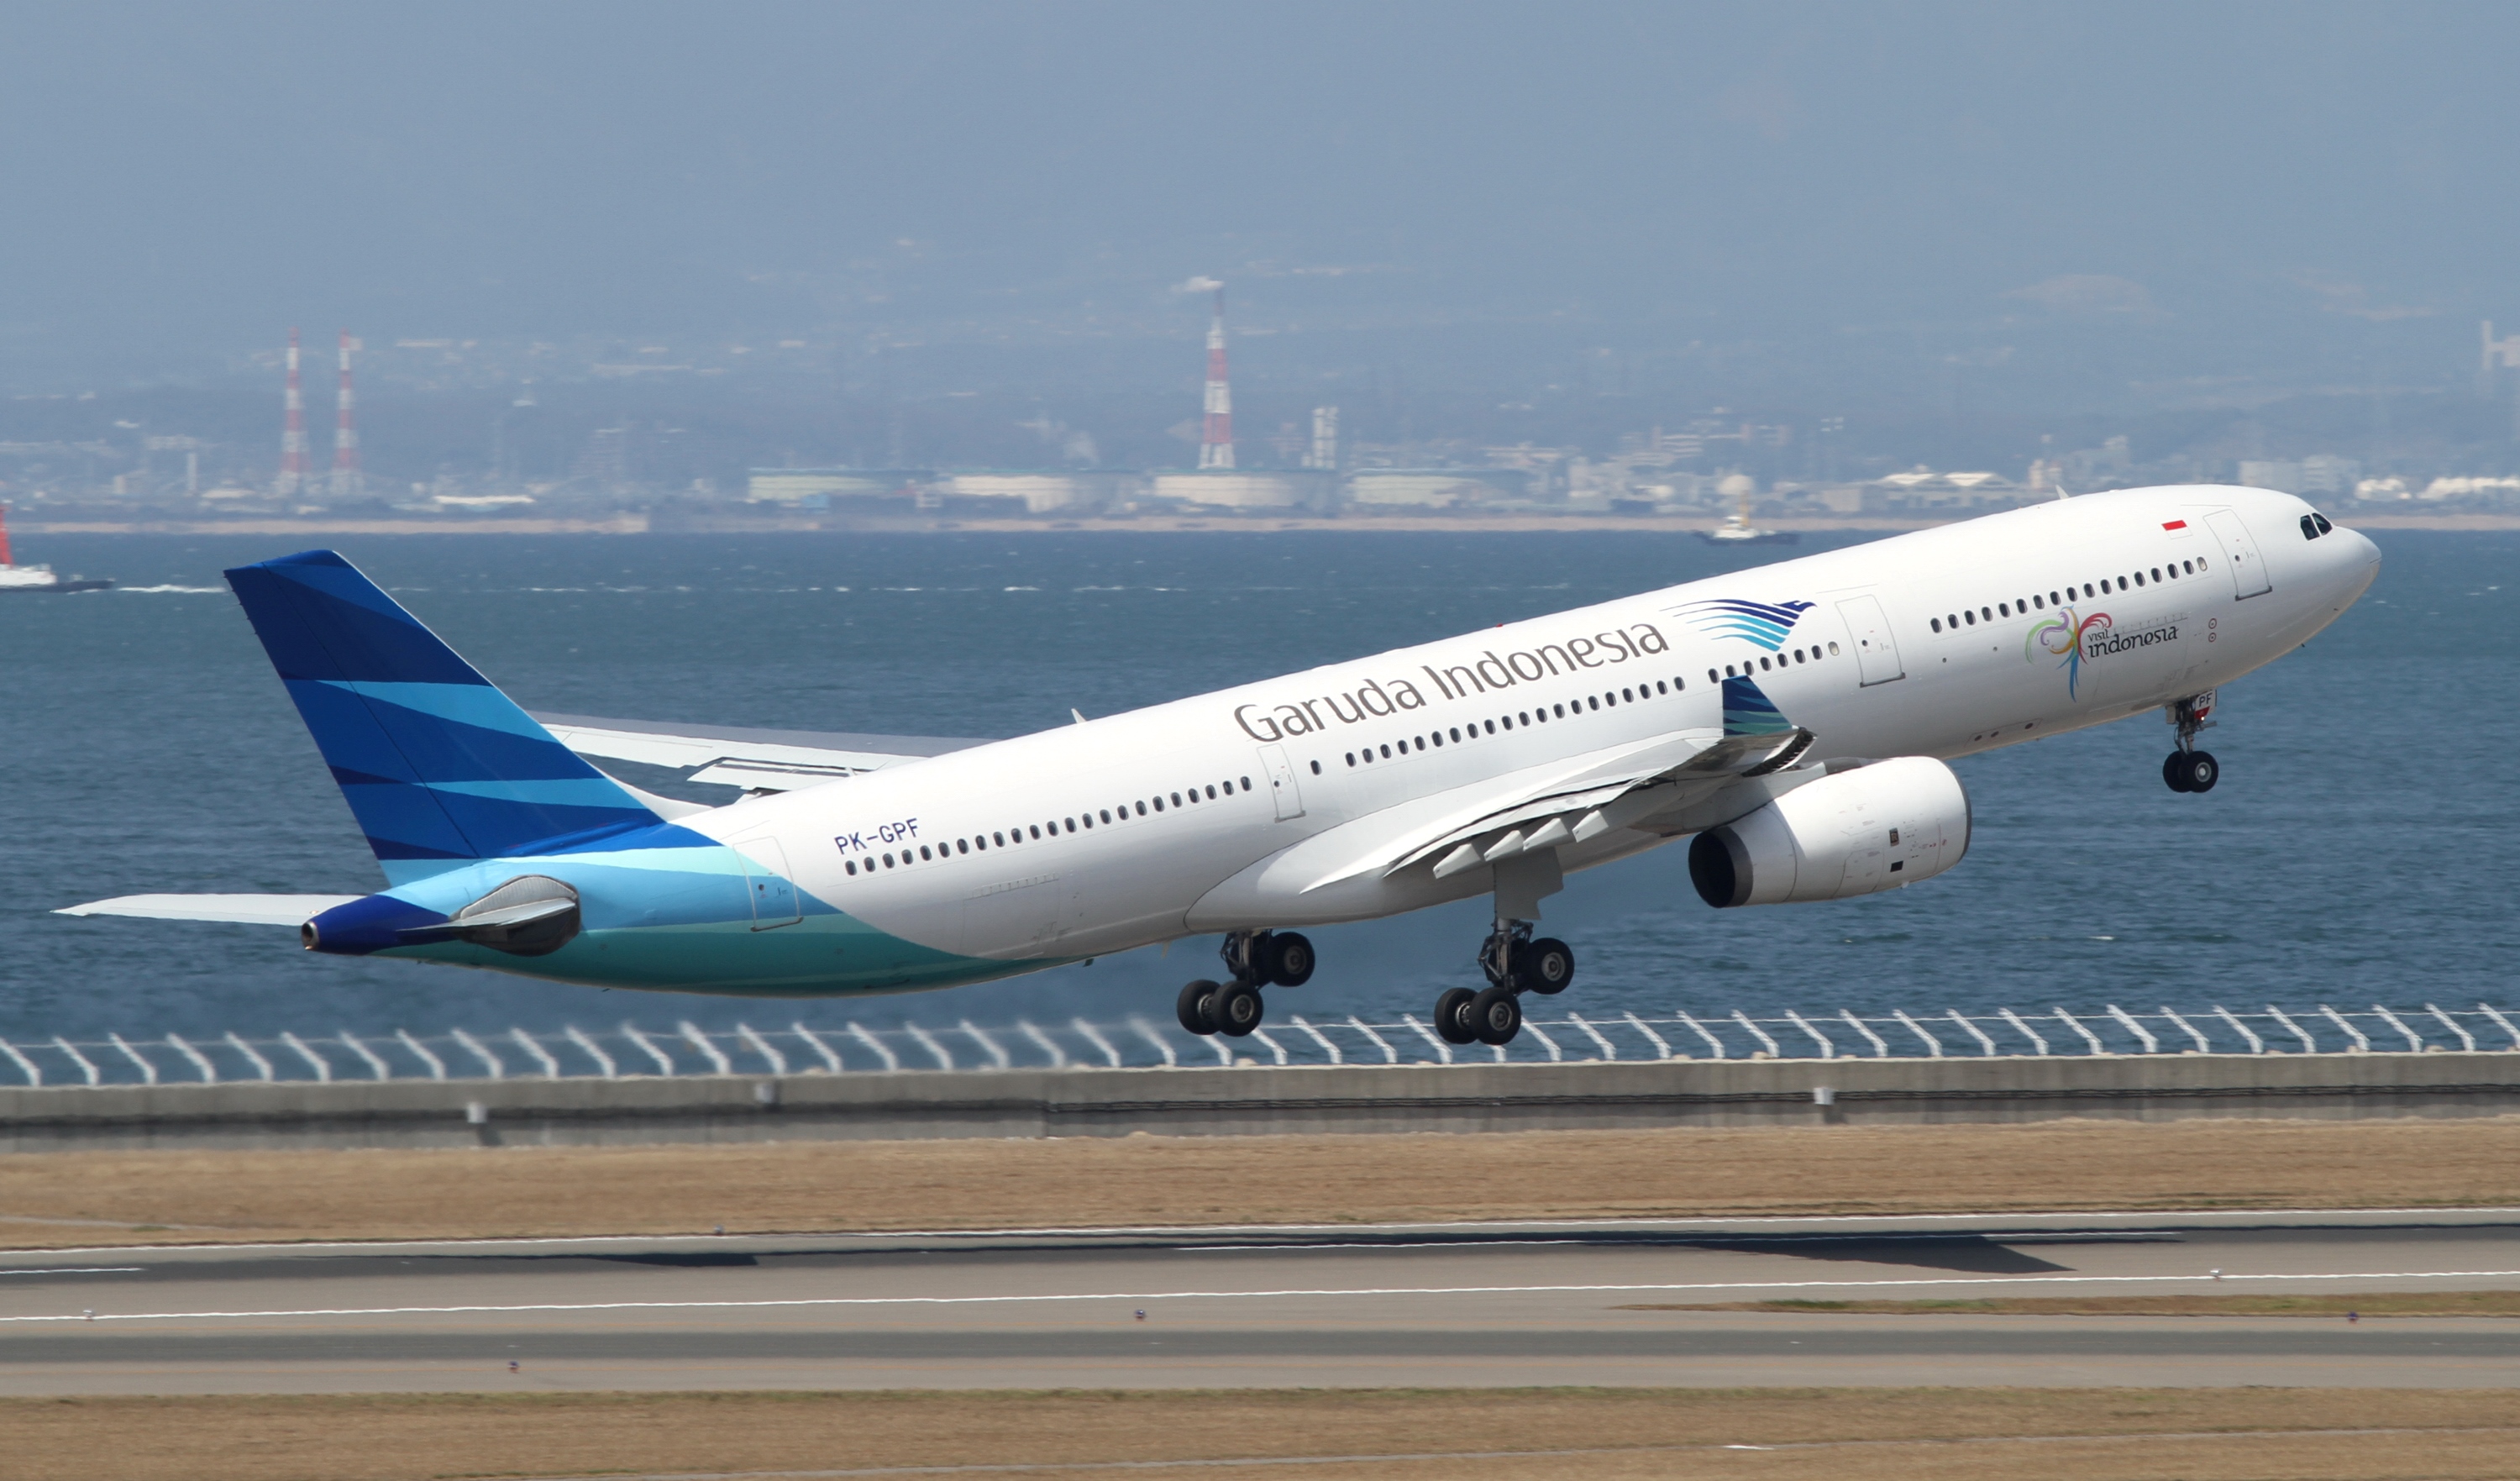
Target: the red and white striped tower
pixel 293 431
pixel 1216 437
pixel 346 480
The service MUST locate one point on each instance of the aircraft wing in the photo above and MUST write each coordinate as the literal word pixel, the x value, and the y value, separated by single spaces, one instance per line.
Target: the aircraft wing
pixel 756 761
pixel 240 910
pixel 1656 779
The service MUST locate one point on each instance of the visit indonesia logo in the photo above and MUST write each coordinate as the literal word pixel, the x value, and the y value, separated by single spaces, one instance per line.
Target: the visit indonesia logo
pixel 2074 640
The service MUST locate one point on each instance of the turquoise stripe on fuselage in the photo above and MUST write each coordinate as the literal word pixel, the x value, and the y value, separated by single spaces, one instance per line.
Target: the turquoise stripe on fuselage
pixel 665 908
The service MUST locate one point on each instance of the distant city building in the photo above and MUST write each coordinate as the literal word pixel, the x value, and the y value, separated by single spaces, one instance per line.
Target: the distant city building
pixel 801 487
pixel 1226 489
pixel 1325 451
pixel 1436 488
pixel 2268 472
pixel 1045 492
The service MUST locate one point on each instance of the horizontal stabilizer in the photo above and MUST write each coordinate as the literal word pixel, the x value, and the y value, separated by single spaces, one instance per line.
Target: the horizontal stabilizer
pixel 756 761
pixel 238 910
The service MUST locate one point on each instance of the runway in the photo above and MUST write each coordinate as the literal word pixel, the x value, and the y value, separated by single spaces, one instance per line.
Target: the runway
pixel 1424 1306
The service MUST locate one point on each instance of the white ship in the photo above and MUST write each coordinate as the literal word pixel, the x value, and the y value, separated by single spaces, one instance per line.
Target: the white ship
pixel 1736 529
pixel 37 578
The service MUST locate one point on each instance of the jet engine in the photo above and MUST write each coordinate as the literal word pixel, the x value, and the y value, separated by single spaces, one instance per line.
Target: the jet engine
pixel 1856 832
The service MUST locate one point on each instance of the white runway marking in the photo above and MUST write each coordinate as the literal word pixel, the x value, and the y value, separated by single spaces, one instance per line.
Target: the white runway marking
pixel 2225 1280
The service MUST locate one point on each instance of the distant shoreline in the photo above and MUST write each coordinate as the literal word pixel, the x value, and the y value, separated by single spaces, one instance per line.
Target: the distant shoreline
pixel 643 525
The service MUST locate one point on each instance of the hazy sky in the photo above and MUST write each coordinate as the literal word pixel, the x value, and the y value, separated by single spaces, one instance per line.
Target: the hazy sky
pixel 179 180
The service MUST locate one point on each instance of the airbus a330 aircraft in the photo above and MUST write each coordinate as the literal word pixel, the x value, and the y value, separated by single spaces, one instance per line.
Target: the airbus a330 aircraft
pixel 1794 721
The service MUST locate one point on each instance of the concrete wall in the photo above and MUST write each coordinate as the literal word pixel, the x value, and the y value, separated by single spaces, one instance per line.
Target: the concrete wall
pixel 1107 1103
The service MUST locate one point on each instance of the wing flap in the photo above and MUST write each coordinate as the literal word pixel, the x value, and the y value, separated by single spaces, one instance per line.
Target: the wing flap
pixel 1590 794
pixel 238 909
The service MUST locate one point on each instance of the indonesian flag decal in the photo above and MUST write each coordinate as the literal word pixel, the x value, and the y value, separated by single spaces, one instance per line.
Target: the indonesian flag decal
pixel 2174 524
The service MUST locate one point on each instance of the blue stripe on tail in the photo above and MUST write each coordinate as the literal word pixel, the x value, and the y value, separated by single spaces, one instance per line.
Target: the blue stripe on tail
pixel 438 766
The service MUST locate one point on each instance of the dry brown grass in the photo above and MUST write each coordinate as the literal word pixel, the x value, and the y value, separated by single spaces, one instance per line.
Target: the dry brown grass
pixel 2443 1303
pixel 54 1199
pixel 1490 1435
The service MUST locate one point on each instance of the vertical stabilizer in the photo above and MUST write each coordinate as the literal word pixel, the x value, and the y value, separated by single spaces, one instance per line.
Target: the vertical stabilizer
pixel 438 766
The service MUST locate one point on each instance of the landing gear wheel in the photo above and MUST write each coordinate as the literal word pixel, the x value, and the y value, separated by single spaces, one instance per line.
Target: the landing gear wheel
pixel 1546 966
pixel 1452 1016
pixel 2174 771
pixel 1495 1016
pixel 1285 958
pixel 2202 771
pixel 1197 1008
pixel 1237 1008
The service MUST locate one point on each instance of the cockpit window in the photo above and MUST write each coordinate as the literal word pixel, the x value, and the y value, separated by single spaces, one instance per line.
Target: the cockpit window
pixel 2321 520
pixel 2309 526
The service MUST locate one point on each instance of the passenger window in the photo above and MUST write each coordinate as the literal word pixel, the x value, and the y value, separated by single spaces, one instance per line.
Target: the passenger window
pixel 1246 784
pixel 2122 583
pixel 1002 838
pixel 1987 612
pixel 1833 649
pixel 1386 753
pixel 2139 578
pixel 887 861
pixel 1936 623
pixel 851 866
pixel 1071 824
pixel 1492 726
pixel 1972 619
pixel 1142 807
pixel 1211 793
pixel 924 854
pixel 1317 771
pixel 1560 712
pixel 1193 791
pixel 1351 758
pixel 962 845
pixel 2004 608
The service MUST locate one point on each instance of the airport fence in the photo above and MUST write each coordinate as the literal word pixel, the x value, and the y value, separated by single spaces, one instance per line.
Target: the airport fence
pixel 741 1048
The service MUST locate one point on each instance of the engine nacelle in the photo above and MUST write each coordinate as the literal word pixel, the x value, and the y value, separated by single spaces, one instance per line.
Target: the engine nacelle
pixel 1858 832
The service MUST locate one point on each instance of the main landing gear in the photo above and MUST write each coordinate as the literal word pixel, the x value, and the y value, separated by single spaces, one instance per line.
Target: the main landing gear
pixel 2187 769
pixel 1515 963
pixel 1253 960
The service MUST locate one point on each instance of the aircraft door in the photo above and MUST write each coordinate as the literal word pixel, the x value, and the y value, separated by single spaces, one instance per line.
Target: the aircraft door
pixel 1282 783
pixel 1876 653
pixel 2248 568
pixel 765 871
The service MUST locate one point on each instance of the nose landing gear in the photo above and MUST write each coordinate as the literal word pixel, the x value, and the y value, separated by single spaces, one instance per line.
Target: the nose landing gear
pixel 2187 769
pixel 1254 959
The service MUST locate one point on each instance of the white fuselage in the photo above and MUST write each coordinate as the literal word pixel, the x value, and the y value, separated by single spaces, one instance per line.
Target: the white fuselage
pixel 1229 810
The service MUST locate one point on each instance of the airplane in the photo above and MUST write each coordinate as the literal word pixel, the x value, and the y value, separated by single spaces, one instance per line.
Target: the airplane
pixel 1794 722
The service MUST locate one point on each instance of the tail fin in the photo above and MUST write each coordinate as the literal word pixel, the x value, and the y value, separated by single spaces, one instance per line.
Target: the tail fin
pixel 1749 711
pixel 438 766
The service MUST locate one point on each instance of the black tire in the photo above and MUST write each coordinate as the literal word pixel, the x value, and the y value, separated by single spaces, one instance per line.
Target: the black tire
pixel 1546 965
pixel 1452 1016
pixel 2174 771
pixel 1238 1009
pixel 1197 1008
pixel 1495 1016
pixel 2203 771
pixel 1287 959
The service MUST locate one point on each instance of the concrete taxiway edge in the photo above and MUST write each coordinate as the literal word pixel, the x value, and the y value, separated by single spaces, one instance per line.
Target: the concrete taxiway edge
pixel 1250 1101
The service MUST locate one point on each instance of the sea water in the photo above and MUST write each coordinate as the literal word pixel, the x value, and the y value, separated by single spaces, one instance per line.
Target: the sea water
pixel 2360 847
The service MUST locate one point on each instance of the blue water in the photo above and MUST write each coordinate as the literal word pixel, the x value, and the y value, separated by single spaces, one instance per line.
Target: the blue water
pixel 2360 848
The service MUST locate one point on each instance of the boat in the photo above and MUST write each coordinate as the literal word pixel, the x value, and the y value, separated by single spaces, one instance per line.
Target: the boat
pixel 1736 529
pixel 37 578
